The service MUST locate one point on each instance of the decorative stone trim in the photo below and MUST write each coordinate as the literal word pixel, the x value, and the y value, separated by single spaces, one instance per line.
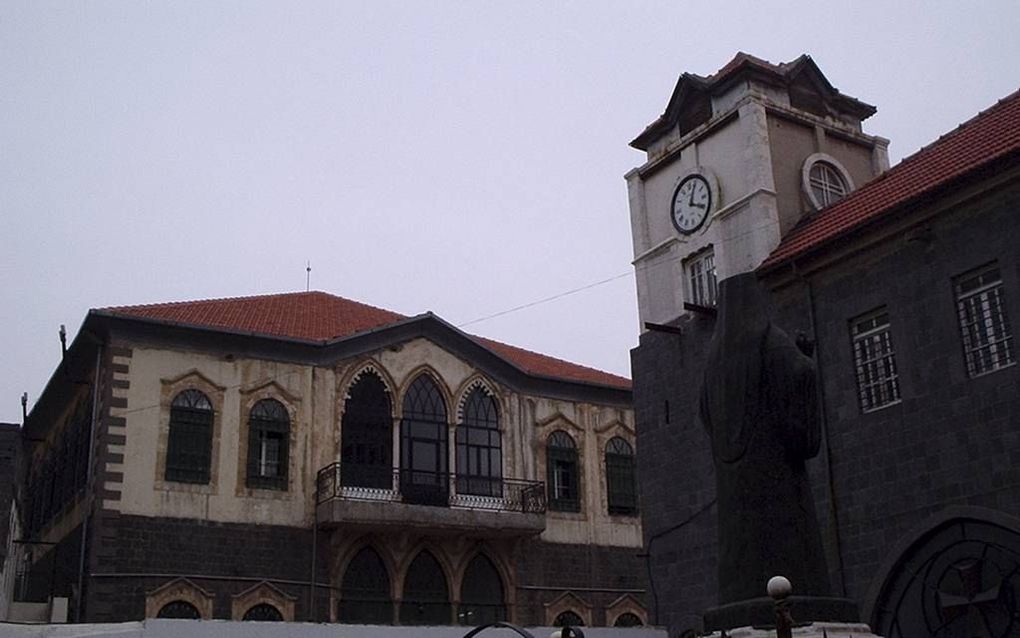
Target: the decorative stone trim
pixel 568 601
pixel 623 605
pixel 179 589
pixel 262 593
pixel 291 402
pixel 170 388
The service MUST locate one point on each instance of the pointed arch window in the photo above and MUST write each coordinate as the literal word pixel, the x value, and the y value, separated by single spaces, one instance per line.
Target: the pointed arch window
pixel 621 489
pixel 366 439
pixel 426 599
pixel 268 445
pixel 562 473
pixel 423 441
pixel 481 594
pixel 365 591
pixel 479 449
pixel 189 441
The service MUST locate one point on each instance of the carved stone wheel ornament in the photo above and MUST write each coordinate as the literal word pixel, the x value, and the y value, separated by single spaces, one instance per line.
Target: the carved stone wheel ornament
pixel 960 582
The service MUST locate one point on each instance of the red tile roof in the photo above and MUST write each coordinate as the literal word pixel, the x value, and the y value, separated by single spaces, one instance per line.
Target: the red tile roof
pixel 971 147
pixel 319 316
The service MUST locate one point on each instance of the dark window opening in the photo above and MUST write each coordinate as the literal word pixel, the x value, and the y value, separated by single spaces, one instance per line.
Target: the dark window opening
pixel 561 470
pixel 263 612
pixel 268 443
pixel 426 597
pixel 479 449
pixel 423 441
pixel 621 490
pixel 189 442
pixel 179 609
pixel 366 441
pixel 628 620
pixel 568 619
pixel 365 591
pixel 481 594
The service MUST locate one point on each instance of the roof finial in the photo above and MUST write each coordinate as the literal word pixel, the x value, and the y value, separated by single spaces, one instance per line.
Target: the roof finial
pixel 308 276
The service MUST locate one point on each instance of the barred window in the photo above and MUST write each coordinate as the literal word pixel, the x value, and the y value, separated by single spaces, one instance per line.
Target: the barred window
pixel 621 490
pixel 479 450
pixel 627 619
pixel 481 594
pixel 189 443
pixel 701 279
pixel 263 612
pixel 426 596
pixel 268 438
pixel 874 359
pixel 981 308
pixel 568 619
pixel 179 609
pixel 561 472
pixel 365 591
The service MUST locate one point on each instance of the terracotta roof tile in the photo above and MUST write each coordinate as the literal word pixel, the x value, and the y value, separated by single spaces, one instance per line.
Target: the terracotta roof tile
pixel 319 316
pixel 972 146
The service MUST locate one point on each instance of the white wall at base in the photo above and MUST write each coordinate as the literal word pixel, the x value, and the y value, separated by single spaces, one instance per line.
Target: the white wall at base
pixel 814 630
pixel 158 628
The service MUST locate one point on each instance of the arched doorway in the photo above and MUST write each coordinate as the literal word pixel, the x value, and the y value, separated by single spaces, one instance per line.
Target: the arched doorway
pixel 481 594
pixel 365 591
pixel 962 579
pixel 426 599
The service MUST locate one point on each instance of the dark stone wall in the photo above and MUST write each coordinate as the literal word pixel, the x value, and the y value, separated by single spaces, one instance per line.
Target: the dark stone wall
pixel 598 575
pixel 222 558
pixel 951 441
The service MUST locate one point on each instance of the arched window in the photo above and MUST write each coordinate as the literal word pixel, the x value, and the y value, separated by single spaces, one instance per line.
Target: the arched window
pixel 189 442
pixel 628 619
pixel 365 432
pixel 621 491
pixel 423 456
pixel 481 594
pixel 426 598
pixel 568 619
pixel 179 609
pixel 479 451
pixel 827 183
pixel 561 472
pixel 365 591
pixel 263 612
pixel 268 445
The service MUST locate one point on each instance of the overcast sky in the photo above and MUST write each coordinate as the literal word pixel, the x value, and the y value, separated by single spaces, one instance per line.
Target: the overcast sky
pixel 458 157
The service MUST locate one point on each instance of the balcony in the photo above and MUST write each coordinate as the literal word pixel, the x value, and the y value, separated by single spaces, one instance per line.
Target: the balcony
pixel 373 498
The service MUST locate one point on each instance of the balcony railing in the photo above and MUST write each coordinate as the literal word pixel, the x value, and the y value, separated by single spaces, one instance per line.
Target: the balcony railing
pixel 438 489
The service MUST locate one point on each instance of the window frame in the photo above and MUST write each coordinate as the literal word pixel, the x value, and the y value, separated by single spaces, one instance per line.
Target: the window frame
pixel 479 446
pixel 807 180
pixel 560 460
pixel 877 376
pixel 621 474
pixel 178 467
pixel 261 429
pixel 996 335
pixel 701 285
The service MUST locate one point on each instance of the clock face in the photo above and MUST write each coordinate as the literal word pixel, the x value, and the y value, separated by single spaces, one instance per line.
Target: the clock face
pixel 691 204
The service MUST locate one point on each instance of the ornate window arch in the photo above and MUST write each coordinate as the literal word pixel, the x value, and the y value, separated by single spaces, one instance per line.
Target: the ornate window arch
pixel 365 590
pixel 626 611
pixel 366 440
pixel 479 445
pixel 177 598
pixel 426 596
pixel 482 593
pixel 562 472
pixel 423 443
pixel 263 601
pixel 568 608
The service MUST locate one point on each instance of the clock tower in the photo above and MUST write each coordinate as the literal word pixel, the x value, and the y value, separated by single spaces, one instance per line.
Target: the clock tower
pixel 734 162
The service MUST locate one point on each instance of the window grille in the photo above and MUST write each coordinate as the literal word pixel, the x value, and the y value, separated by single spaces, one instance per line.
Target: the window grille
pixel 366 435
pixel 179 609
pixel 423 451
pixel 628 619
pixel 703 288
pixel 620 484
pixel 827 184
pixel 479 449
pixel 568 619
pixel 189 442
pixel 561 470
pixel 874 359
pixel 981 308
pixel 268 443
pixel 263 612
